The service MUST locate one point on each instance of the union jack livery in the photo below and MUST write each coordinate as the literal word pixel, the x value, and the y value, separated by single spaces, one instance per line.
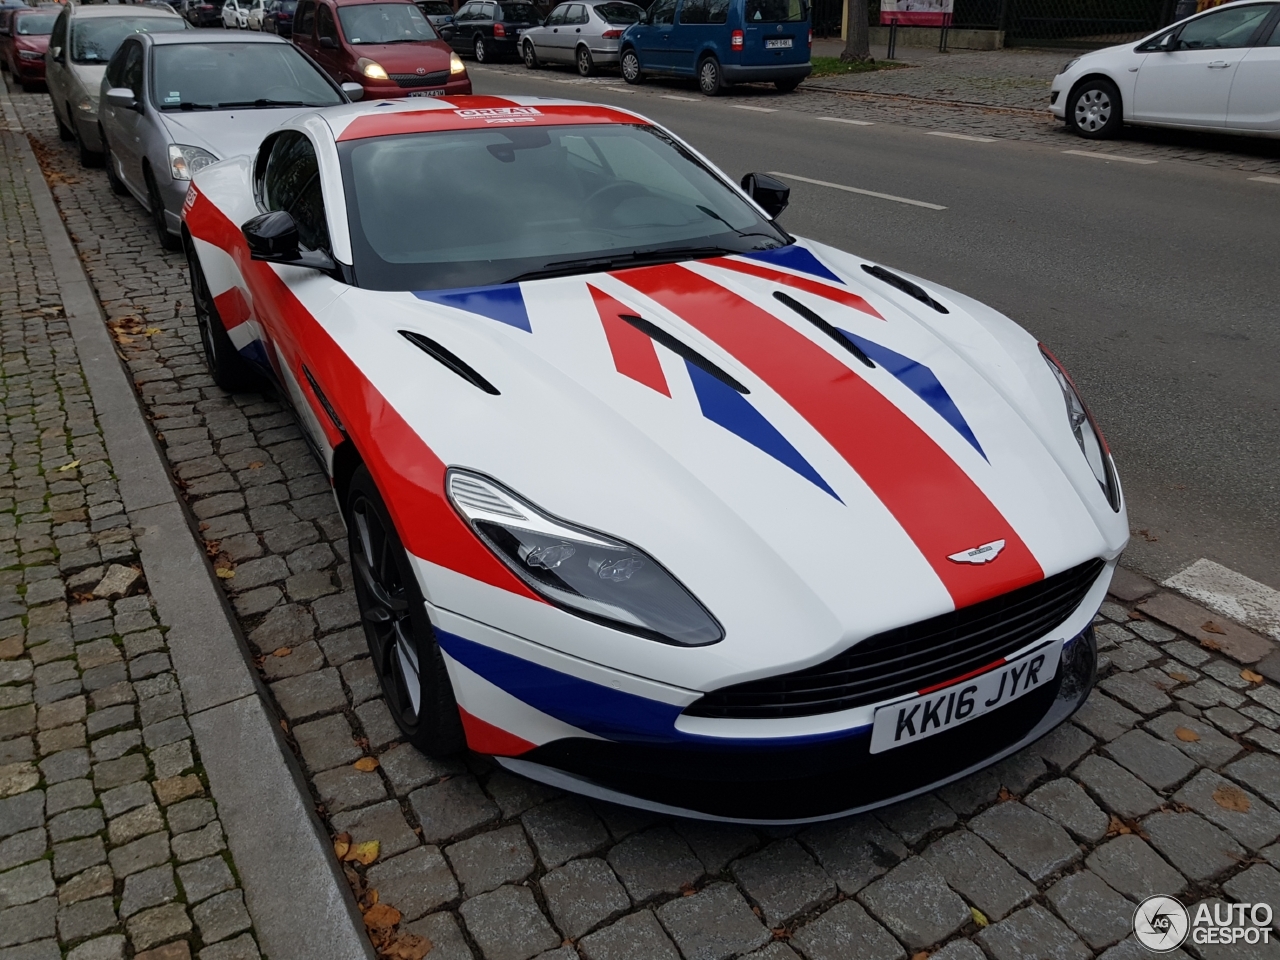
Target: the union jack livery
pixel 647 498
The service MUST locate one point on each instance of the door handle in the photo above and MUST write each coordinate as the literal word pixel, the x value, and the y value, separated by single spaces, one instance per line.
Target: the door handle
pixel 1219 65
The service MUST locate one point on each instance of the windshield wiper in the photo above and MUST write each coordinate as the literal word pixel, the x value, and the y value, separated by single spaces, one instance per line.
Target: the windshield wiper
pixel 186 105
pixel 567 268
pixel 742 233
pixel 266 102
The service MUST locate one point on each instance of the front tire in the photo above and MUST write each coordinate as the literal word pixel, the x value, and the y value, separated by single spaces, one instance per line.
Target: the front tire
pixel 1094 110
pixel 586 66
pixel 530 56
pixel 786 86
pixel 117 185
pixel 64 132
pixel 88 158
pixel 710 77
pixel 405 654
pixel 229 370
pixel 167 240
pixel 630 67
pixel 481 51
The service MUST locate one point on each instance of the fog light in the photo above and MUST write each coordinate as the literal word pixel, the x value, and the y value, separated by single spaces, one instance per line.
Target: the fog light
pixel 1078 665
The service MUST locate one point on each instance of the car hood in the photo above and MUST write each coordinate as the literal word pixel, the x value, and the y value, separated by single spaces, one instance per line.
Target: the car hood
pixel 429 55
pixel 89 76
pixel 807 498
pixel 38 42
pixel 227 133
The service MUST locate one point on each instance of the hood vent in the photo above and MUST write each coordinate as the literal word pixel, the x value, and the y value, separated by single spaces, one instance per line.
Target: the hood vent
pixel 656 333
pixel 450 360
pixel 825 327
pixel 906 286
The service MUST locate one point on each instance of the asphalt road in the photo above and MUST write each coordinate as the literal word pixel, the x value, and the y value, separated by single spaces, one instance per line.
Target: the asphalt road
pixel 1156 284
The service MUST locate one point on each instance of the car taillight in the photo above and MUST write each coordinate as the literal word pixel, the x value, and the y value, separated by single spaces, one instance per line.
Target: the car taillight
pixel 499 30
pixel 735 40
pixel 811 37
pixel 611 35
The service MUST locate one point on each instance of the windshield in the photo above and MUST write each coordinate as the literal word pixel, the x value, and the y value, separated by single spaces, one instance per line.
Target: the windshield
pixel 35 24
pixel 519 13
pixel 384 23
pixel 477 207
pixel 438 8
pixel 191 76
pixel 776 11
pixel 619 12
pixel 95 40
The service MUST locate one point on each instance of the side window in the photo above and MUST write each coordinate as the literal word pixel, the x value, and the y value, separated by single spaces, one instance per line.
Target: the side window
pixel 718 11
pixel 325 26
pixel 580 14
pixel 1233 27
pixel 1275 37
pixel 557 15
pixel 306 18
pixel 115 69
pixel 291 182
pixel 131 75
pixel 489 12
pixel 693 11
pixel 59 36
pixel 663 12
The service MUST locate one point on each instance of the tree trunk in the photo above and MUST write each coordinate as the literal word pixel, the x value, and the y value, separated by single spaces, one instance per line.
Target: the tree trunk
pixel 858 44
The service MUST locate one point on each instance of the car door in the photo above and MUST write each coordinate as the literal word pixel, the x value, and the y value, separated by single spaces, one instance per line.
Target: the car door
pixel 124 126
pixel 691 32
pixel 1255 92
pixel 55 65
pixel 328 50
pixel 546 40
pixel 304 27
pixel 1189 84
pixel 461 39
pixel 655 41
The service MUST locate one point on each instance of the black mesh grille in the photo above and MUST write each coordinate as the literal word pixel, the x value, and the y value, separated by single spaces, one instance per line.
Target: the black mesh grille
pixel 912 657
pixel 409 80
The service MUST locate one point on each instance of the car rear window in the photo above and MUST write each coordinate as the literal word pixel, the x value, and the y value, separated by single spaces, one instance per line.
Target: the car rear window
pixel 619 12
pixel 519 12
pixel 367 23
pixel 220 76
pixel 436 9
pixel 35 24
pixel 776 11
pixel 95 40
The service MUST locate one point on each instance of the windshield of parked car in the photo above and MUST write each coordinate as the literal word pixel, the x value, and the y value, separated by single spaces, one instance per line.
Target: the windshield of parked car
pixel 776 11
pixel 436 9
pixel 95 40
pixel 384 23
pixel 213 76
pixel 476 207
pixel 35 24
pixel 519 13
pixel 619 12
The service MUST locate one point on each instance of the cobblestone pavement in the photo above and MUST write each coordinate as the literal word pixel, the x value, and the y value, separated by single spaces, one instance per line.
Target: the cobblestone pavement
pixel 1166 782
pixel 108 846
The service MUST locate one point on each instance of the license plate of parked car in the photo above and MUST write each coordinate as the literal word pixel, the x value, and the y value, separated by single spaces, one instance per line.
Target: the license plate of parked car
pixel 937 710
pixel 426 93
pixel 782 43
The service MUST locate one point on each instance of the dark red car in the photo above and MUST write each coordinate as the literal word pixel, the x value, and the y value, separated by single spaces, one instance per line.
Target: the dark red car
pixel 24 44
pixel 386 46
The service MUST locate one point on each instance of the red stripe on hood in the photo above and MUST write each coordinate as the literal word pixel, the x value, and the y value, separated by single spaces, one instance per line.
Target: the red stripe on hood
pixel 634 354
pixel 941 509
pixel 799 283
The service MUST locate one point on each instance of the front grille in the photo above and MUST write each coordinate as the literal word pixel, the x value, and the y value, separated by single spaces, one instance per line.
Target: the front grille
pixel 910 658
pixel 420 80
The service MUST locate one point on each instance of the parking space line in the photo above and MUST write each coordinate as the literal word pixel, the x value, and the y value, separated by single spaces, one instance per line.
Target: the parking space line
pixel 672 96
pixel 1231 594
pixel 743 106
pixel 961 136
pixel 1266 179
pixel 865 193
pixel 856 123
pixel 1108 156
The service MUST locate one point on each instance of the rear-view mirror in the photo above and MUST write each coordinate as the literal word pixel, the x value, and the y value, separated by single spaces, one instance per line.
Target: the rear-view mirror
pixel 123 98
pixel 329 43
pixel 772 195
pixel 273 237
pixel 353 91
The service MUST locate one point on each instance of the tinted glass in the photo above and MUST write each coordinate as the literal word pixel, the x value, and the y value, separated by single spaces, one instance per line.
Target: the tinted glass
pixel 776 11
pixel 306 18
pixel 438 8
pixel 512 201
pixel 291 183
pixel 131 73
pixel 325 27
pixel 577 14
pixel 619 12
pixel 704 11
pixel 1223 28
pixel 1275 37
pixel 558 15
pixel 664 11
pixel 384 23
pixel 95 40
pixel 519 12
pixel 222 75
pixel 34 24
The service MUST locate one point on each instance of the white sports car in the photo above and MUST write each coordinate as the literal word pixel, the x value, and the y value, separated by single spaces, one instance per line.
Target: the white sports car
pixel 646 497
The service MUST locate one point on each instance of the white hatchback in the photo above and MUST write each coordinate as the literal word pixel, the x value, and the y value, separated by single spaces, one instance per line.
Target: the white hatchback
pixel 1218 70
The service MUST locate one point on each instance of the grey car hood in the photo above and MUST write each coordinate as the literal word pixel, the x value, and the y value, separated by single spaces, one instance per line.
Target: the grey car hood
pixel 227 133
pixel 89 77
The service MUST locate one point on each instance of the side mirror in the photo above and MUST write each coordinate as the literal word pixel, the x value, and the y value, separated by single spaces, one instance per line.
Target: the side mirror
pixel 1169 42
pixel 56 54
pixel 273 237
pixel 353 91
pixel 772 195
pixel 123 98
pixel 329 43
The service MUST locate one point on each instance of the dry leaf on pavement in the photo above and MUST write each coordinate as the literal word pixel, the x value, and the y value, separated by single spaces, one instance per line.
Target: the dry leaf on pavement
pixel 1247 674
pixel 364 853
pixel 256 465
pixel 1185 735
pixel 1230 797
pixel 224 573
pixel 1210 627
pixel 381 917
pixel 69 466
pixel 406 946
pixel 1117 827
pixel 1180 677
pixel 282 651
pixel 341 844
pixel 366 764
pixel 979 918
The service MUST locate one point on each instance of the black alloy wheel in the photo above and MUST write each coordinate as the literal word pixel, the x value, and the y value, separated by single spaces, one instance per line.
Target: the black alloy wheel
pixel 530 56
pixel 167 239
pixel 405 654
pixel 586 66
pixel 229 370
pixel 1094 109
pixel 108 161
pixel 710 78
pixel 481 51
pixel 630 67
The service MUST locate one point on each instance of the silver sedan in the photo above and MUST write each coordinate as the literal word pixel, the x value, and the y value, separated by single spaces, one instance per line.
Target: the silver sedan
pixel 585 34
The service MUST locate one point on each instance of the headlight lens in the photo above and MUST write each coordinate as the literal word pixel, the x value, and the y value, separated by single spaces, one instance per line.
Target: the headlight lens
pixel 1070 64
pixel 29 55
pixel 1086 431
pixel 87 105
pixel 585 572
pixel 185 162
pixel 372 69
pixel 456 66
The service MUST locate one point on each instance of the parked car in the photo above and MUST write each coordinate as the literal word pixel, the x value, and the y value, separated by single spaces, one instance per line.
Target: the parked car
pixel 7 8
pixel 387 46
pixel 721 42
pixel 491 31
pixel 609 516
pixel 23 42
pixel 586 34
pixel 84 40
pixel 235 14
pixel 440 14
pixel 1218 70
pixel 173 103
pixel 279 17
pixel 253 19
pixel 202 13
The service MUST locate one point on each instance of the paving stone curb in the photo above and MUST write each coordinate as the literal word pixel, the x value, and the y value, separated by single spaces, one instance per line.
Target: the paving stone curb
pixel 294 892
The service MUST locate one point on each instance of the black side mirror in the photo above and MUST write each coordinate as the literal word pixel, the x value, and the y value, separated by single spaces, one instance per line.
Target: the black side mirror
pixel 772 195
pixel 329 43
pixel 273 237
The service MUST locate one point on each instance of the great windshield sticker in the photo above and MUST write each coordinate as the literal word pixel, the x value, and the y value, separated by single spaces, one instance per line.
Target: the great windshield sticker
pixel 173 97
pixel 501 114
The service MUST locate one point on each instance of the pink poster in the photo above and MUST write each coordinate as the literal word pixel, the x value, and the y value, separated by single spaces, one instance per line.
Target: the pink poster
pixel 917 13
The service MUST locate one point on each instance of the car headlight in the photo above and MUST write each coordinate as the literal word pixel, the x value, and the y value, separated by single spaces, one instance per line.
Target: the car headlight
pixel 456 66
pixel 87 105
pixel 372 69
pixel 185 162
pixel 583 571
pixel 1087 434
pixel 1070 64
pixel 30 55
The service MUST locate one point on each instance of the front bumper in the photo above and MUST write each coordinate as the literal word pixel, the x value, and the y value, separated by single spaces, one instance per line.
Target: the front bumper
pixel 87 128
pixel 29 71
pixel 392 90
pixel 765 73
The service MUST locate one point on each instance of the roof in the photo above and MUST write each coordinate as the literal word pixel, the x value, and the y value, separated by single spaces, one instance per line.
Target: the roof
pixel 352 3
pixel 214 36
pixel 118 10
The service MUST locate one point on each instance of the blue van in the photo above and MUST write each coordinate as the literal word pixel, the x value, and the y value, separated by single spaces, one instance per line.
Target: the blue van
pixel 721 42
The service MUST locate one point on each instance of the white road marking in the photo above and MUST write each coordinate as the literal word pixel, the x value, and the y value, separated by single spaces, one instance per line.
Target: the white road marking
pixel 672 96
pixel 1107 156
pixel 1266 179
pixel 1231 594
pixel 865 193
pixel 856 123
pixel 743 106
pixel 962 136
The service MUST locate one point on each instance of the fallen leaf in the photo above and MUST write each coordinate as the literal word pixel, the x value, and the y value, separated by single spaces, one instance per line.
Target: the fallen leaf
pixel 1180 677
pixel 1249 675
pixel 224 573
pixel 363 853
pixel 69 466
pixel 372 896
pixel 1210 644
pixel 1004 795
pixel 366 764
pixel 979 917
pixel 284 725
pixel 282 651
pixel 1117 827
pixel 151 331
pixel 1186 735
pixel 256 465
pixel 1210 627
pixel 341 845
pixel 1230 797
pixel 381 917
pixel 211 548
pixel 922 955
pixel 407 946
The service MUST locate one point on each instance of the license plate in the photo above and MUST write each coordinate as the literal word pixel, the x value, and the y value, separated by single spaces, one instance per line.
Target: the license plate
pixel 425 93
pixel 910 720
pixel 778 43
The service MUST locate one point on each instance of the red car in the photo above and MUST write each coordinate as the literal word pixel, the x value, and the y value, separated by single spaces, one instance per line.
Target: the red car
pixel 24 44
pixel 386 46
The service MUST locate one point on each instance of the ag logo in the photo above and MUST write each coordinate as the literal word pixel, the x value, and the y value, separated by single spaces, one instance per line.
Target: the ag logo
pixel 983 554
pixel 1161 924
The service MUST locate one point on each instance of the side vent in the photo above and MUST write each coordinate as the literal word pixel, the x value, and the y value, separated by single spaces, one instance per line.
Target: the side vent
pixel 324 401
pixel 825 327
pixel 450 360
pixel 905 285
pixel 681 349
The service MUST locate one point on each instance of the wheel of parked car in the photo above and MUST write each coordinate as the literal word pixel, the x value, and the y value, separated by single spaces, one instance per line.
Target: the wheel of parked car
pixel 405 654
pixel 167 239
pixel 530 56
pixel 64 132
pixel 482 52
pixel 1094 109
pixel 229 370
pixel 786 86
pixel 586 66
pixel 108 161
pixel 88 158
pixel 630 67
pixel 710 77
